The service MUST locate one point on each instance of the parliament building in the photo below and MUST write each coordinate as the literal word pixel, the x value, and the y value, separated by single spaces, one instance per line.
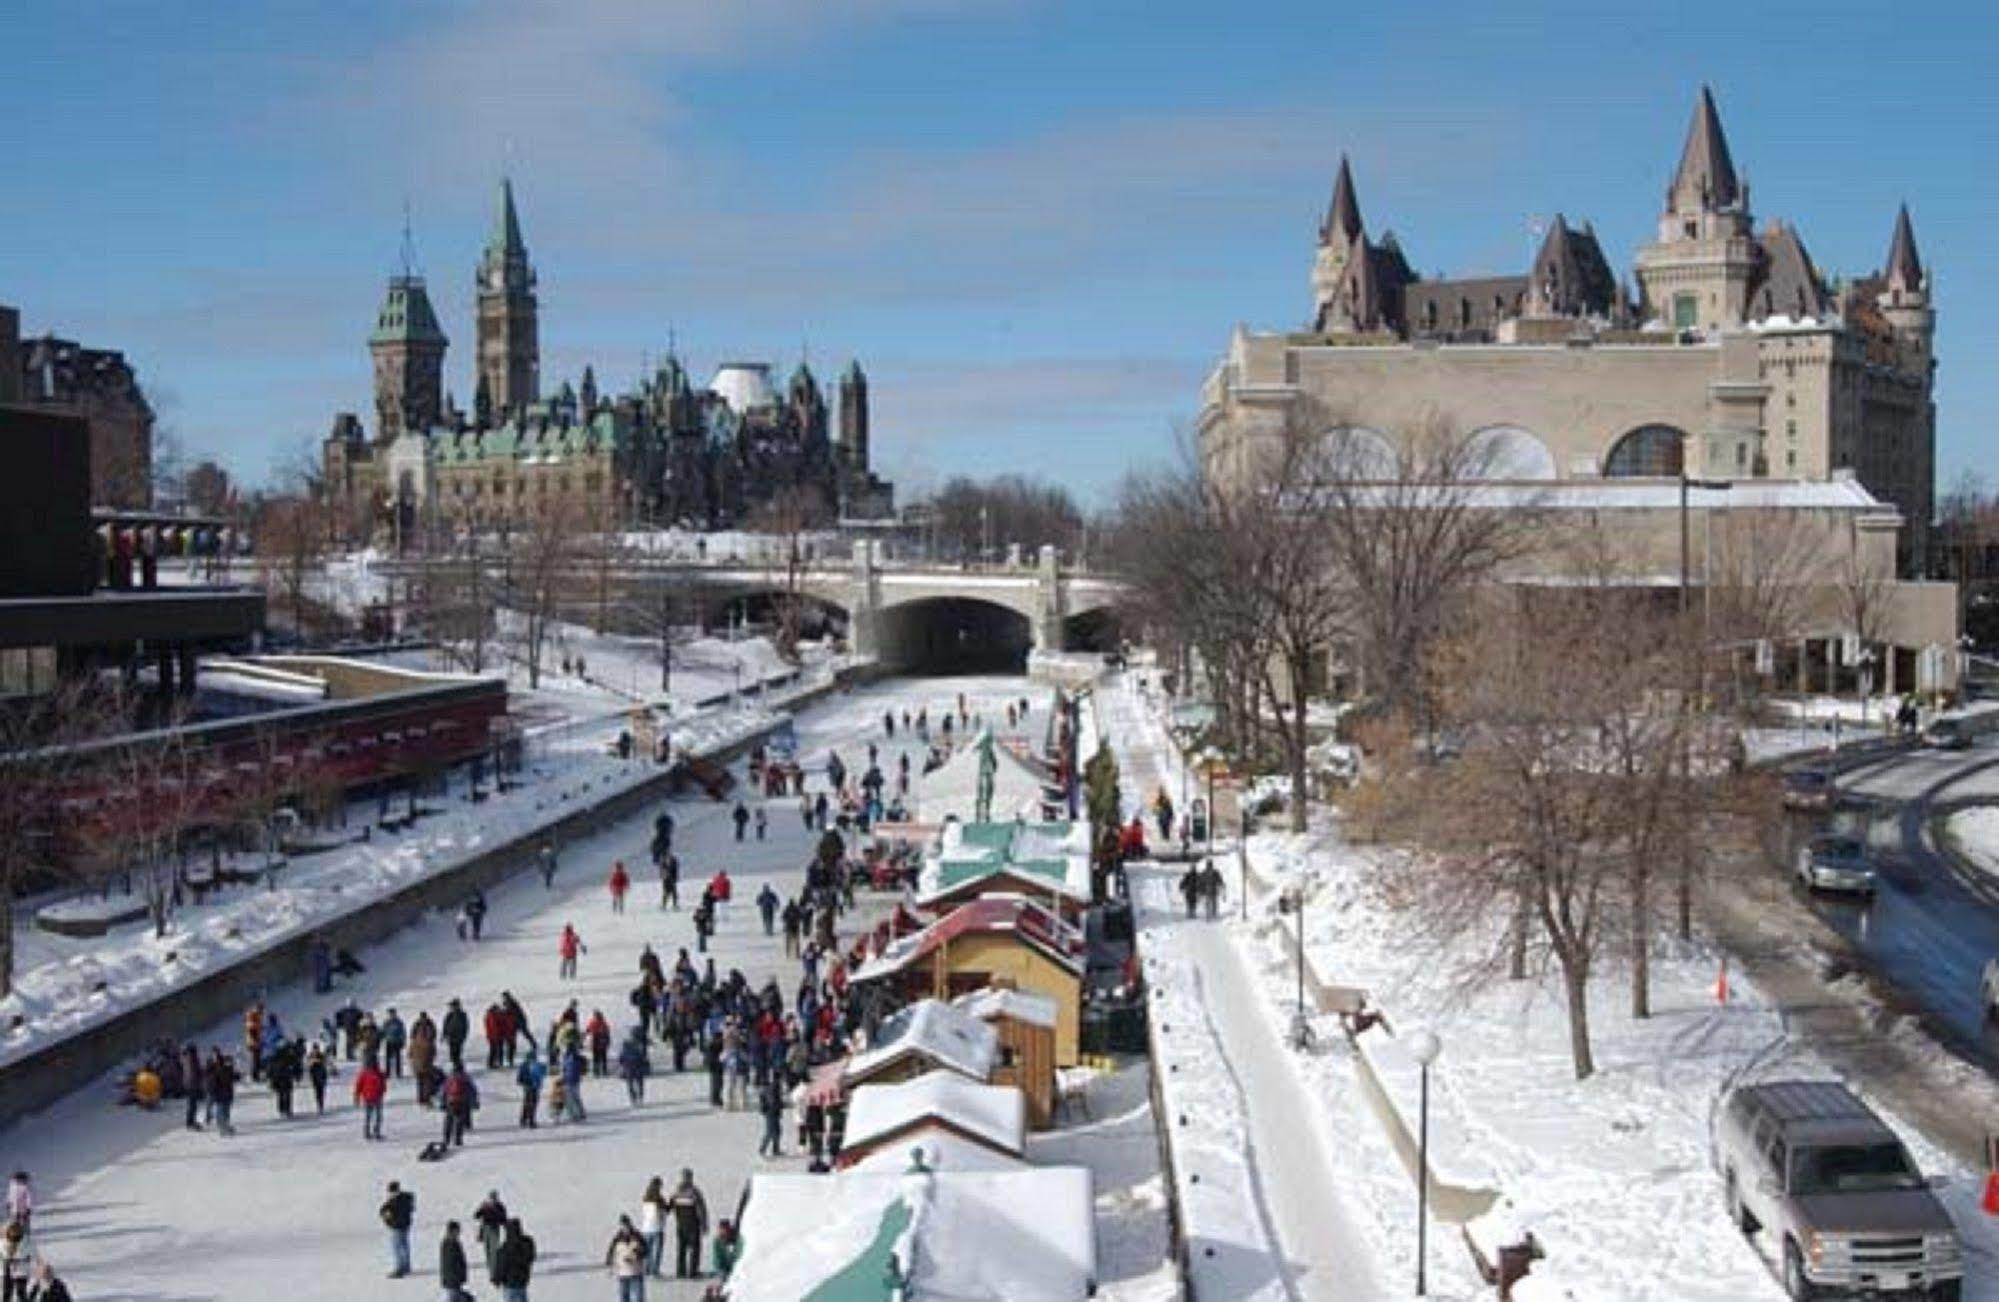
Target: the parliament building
pixel 667 453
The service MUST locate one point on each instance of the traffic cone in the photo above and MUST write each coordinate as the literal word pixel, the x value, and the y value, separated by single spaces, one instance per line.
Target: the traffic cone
pixel 1990 1202
pixel 1721 982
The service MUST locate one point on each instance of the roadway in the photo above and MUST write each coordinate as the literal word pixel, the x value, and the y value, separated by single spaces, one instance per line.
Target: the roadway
pixel 1933 922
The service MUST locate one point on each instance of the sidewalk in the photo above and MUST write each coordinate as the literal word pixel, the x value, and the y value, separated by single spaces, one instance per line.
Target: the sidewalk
pixel 1282 1229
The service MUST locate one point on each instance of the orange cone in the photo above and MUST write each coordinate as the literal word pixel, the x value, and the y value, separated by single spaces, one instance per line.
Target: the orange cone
pixel 1721 982
pixel 1991 1200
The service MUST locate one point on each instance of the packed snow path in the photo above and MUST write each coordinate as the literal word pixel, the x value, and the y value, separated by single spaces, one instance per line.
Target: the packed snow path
pixel 1297 1185
pixel 133 1207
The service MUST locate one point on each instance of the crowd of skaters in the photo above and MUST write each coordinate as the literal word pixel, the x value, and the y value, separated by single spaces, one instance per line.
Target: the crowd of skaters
pixel 756 1044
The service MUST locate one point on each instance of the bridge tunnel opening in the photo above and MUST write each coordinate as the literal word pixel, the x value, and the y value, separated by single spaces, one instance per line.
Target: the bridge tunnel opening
pixel 953 635
pixel 1092 630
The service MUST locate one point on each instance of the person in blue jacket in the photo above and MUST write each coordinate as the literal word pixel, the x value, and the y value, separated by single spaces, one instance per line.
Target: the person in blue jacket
pixel 530 1077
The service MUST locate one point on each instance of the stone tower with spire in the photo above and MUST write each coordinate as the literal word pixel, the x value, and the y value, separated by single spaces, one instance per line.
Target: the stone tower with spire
pixel 407 346
pixel 509 339
pixel 1699 274
pixel 854 420
pixel 1338 235
pixel 1905 294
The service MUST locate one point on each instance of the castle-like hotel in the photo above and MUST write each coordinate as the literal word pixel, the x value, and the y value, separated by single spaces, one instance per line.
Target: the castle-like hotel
pixel 668 453
pixel 1734 358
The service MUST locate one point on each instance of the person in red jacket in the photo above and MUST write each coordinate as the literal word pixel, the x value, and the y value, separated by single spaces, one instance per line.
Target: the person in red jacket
pixel 370 1087
pixel 571 946
pixel 499 1028
pixel 621 881
pixel 597 1032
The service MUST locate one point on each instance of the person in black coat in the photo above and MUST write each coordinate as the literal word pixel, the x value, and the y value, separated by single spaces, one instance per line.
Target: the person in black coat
pixel 457 1026
pixel 194 1079
pixel 451 1271
pixel 513 1266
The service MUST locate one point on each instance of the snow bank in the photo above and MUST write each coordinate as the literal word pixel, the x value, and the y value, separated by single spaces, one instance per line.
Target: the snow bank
pixel 1975 833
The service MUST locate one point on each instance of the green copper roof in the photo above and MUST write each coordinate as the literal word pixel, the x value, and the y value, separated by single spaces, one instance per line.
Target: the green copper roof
pixel 507 225
pixel 406 316
pixel 987 836
pixel 874 1275
pixel 957 872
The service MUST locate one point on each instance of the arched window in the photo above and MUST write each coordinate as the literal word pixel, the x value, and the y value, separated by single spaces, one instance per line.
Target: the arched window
pixel 1648 452
pixel 1507 452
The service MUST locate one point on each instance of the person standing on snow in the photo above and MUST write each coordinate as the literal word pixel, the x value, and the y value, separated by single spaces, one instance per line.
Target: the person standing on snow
pixel 741 818
pixel 767 907
pixel 513 1267
pixel 394 1036
pixel 457 1028
pixel 770 1102
pixel 546 859
pixel 491 1218
pixel 451 1270
pixel 398 1211
pixel 191 1078
pixel 530 1078
pixel 315 1074
pixel 690 1222
pixel 634 1065
pixel 370 1088
pixel 460 1097
pixel 620 882
pixel 569 947
pixel 423 1057
pixel 21 1201
pixel 626 1258
pixel 221 1085
pixel 652 1224
pixel 762 822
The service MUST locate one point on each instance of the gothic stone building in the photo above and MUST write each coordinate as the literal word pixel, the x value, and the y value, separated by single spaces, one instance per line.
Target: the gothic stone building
pixel 668 453
pixel 96 384
pixel 1734 357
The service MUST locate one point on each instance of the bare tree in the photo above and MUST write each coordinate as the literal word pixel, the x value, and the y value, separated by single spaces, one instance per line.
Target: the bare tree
pixel 544 550
pixel 41 776
pixel 161 776
pixel 786 519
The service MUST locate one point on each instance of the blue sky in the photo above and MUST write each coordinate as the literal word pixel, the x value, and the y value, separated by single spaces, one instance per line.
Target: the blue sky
pixel 1035 223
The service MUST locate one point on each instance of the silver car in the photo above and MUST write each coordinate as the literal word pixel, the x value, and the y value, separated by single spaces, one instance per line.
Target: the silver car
pixel 1835 863
pixel 1841 1206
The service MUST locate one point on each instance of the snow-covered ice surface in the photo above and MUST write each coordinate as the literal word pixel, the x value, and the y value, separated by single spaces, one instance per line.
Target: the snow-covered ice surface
pixel 63 986
pixel 1611 1174
pixel 132 1207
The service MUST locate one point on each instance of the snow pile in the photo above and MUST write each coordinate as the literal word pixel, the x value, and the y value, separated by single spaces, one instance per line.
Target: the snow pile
pixel 1975 834
pixel 996 1114
pixel 964 1233
pixel 934 1030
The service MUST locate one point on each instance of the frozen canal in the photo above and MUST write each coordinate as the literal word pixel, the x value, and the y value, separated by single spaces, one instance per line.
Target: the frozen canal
pixel 133 1207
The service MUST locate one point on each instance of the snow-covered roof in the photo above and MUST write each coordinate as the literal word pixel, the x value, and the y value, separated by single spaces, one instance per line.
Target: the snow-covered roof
pixel 935 1030
pixel 941 1150
pixel 995 1114
pixel 1003 1001
pixel 1032 921
pixel 974 1235
pixel 953 788
pixel 1037 858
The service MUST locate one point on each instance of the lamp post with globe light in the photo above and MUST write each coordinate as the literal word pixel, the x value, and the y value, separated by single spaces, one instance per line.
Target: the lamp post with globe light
pixel 1424 1047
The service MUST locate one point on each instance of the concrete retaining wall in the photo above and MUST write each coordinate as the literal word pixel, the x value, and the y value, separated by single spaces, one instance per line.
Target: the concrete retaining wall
pixel 33 1082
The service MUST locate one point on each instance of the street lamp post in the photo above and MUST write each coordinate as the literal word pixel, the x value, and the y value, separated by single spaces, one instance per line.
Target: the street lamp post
pixel 1423 1046
pixel 1242 857
pixel 1292 903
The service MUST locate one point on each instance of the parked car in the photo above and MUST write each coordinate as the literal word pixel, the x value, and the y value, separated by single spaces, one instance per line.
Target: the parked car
pixel 1845 1210
pixel 1835 863
pixel 1808 789
pixel 1948 734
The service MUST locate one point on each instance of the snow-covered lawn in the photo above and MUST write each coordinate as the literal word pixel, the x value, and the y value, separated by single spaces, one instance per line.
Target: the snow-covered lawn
pixel 1975 833
pixel 1611 1174
pixel 132 1206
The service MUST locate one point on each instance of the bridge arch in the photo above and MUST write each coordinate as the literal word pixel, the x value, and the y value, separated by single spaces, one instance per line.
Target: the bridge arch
pixel 952 633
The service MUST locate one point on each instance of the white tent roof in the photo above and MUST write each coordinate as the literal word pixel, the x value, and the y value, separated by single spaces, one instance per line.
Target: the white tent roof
pixel 941 1151
pixel 1000 1001
pixel 994 1113
pixel 953 789
pixel 955 1039
pixel 969 1235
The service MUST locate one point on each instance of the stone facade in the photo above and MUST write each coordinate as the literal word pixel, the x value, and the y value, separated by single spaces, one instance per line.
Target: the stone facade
pixel 667 453
pixel 96 384
pixel 1733 357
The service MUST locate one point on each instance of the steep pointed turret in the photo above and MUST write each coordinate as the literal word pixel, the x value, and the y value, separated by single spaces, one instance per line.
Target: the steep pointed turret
pixel 1904 270
pixel 854 419
pixel 1705 180
pixel 589 390
pixel 407 345
pixel 509 330
pixel 1343 214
